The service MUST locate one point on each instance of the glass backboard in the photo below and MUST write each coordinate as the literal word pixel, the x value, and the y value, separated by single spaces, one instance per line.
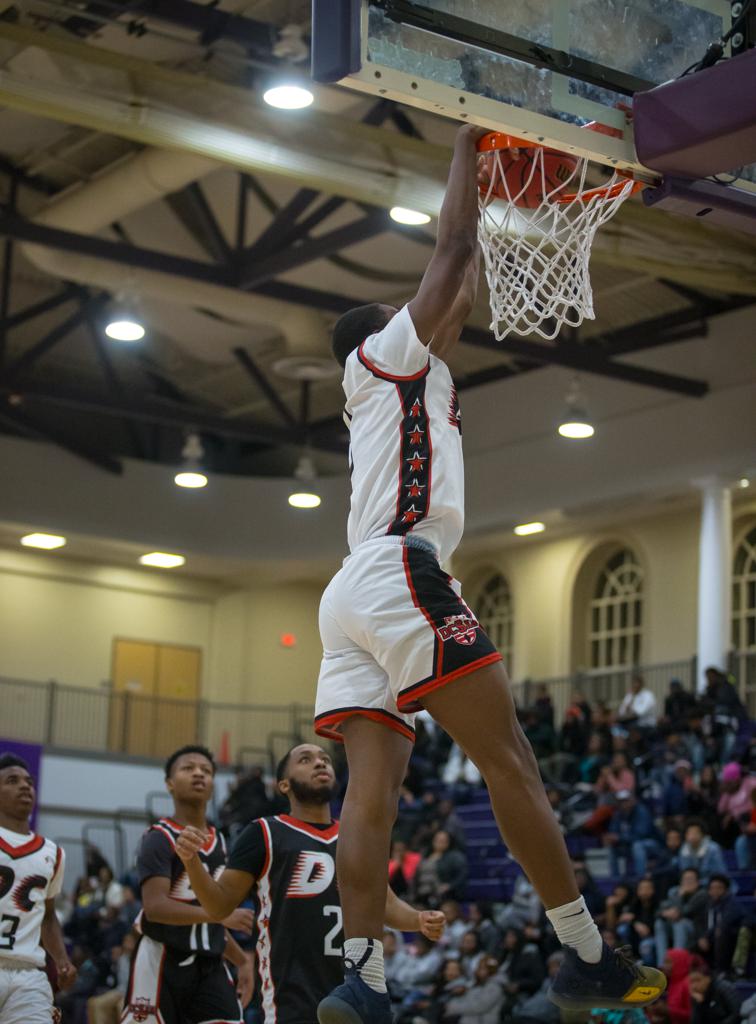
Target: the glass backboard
pixel 538 69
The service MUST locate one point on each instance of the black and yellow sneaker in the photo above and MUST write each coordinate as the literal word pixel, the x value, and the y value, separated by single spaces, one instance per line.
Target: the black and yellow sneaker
pixel 615 982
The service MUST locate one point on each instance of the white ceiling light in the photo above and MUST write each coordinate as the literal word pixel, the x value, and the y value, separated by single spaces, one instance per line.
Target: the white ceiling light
pixel 576 423
pixel 524 529
pixel 305 474
pixel 287 96
pixel 124 328
pixel 192 453
pixel 162 560
pixel 744 482
pixel 404 216
pixel 46 541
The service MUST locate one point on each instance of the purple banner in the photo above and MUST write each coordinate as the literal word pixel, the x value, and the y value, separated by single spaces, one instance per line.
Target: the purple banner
pixel 32 754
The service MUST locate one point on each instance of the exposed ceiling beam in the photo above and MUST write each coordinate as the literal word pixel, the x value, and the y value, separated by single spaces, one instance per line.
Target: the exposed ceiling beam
pixel 192 208
pixel 656 331
pixel 254 371
pixel 588 361
pixel 44 306
pixel 20 423
pixel 164 414
pixel 43 346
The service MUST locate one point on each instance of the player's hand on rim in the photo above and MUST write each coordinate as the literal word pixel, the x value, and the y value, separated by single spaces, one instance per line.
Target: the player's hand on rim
pixel 240 920
pixel 190 842
pixel 432 924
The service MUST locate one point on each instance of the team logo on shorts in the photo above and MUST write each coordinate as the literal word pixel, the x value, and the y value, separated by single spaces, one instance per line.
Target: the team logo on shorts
pixel 462 628
pixel 142 1009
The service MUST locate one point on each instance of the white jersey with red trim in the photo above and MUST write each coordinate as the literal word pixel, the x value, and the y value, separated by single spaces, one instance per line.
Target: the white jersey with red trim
pixel 31 871
pixel 405 453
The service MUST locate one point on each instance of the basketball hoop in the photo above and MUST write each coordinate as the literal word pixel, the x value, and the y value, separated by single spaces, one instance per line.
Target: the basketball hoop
pixel 538 219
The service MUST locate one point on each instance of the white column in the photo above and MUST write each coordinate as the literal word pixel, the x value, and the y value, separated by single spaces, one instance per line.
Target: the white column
pixel 714 576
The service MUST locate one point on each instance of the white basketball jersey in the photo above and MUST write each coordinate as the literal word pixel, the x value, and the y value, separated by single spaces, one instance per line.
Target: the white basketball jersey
pixel 405 453
pixel 31 871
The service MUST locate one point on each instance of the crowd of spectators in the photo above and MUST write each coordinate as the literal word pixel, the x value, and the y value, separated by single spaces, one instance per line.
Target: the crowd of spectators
pixel 659 809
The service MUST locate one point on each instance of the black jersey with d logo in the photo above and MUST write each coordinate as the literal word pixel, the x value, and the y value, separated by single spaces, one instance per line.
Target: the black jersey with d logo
pixel 298 925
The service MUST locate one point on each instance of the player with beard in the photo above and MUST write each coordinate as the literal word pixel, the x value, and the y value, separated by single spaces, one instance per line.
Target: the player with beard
pixel 288 862
pixel 177 973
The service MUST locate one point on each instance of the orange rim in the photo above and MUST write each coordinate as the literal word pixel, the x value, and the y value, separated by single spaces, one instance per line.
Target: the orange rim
pixel 494 142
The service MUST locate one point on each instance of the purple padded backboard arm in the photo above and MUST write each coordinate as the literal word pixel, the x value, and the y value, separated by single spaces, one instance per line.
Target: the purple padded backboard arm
pixel 702 124
pixel 725 205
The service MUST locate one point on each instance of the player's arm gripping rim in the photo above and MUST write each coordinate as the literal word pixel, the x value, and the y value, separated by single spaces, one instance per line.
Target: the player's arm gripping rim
pixel 456 241
pixel 54 944
pixel 448 332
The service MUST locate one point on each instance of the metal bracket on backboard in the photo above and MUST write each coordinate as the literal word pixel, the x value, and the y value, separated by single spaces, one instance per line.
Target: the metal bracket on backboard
pixel 710 201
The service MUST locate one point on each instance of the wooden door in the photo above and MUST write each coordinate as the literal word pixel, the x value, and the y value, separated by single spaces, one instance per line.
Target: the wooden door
pixel 134 679
pixel 178 690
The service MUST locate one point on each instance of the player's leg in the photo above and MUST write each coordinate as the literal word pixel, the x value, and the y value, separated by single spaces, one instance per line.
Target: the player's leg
pixel 27 997
pixel 150 986
pixel 479 713
pixel 377 756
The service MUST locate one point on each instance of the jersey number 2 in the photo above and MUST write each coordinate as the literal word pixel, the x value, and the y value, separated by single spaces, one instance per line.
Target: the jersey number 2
pixel 329 949
pixel 8 929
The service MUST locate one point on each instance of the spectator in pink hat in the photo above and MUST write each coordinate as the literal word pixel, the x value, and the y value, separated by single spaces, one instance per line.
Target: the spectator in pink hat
pixel 735 799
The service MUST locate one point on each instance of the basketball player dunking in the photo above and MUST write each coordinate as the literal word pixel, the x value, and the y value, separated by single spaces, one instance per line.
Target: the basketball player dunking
pixel 398 637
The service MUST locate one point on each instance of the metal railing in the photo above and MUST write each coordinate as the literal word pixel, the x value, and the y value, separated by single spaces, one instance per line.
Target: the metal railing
pixel 126 723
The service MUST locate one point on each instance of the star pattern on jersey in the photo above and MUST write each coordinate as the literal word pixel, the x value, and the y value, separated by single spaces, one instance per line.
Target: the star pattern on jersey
pixel 416 409
pixel 411 515
pixel 416 461
pixel 415 490
pixel 416 436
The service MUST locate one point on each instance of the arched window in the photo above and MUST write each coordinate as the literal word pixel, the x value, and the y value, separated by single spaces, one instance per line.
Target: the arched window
pixel 495 613
pixel 615 614
pixel 744 594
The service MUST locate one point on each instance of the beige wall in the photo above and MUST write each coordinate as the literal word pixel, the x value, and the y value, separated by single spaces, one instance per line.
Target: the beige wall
pixel 58 618
pixel 544 577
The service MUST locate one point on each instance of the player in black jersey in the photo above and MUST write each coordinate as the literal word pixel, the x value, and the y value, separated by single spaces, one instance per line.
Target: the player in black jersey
pixel 177 974
pixel 290 863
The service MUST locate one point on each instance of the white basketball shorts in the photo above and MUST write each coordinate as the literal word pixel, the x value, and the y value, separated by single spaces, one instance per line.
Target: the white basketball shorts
pixel 394 627
pixel 25 996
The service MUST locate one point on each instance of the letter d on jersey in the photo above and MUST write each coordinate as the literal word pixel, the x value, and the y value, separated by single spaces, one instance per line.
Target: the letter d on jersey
pixel 312 874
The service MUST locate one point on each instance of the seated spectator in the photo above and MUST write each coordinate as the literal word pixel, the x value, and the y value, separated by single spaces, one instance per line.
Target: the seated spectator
pixel 575 732
pixel 470 954
pixel 676 965
pixel 543 707
pixel 442 874
pixel 417 973
pixel 638 706
pixel 540 734
pixel 681 919
pixel 460 769
pixel 589 890
pixel 701 852
pixel 734 801
pixel 107 890
pixel 704 798
pixel 635 927
pixel 456 926
pixel 616 904
pixel 615 777
pixel 522 972
pixel 106 1008
pixel 677 706
pixel 745 844
pixel 449 821
pixel 481 922
pixel 395 958
pixel 402 867
pixel 523 909
pixel 667 869
pixel 723 916
pixel 451 984
pixel 538 1008
pixel 482 1002
pixel 676 792
pixel 247 799
pixel 593 761
pixel 713 1000
pixel 632 836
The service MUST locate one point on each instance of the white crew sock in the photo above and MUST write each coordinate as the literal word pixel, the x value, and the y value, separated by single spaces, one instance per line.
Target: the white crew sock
pixel 367 957
pixel 575 927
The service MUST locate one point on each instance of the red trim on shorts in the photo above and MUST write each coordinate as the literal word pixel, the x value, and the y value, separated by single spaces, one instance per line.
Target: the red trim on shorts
pixel 324 724
pixel 382 373
pixel 408 698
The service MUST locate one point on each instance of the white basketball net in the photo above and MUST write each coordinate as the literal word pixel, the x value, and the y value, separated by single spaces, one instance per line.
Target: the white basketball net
pixel 536 260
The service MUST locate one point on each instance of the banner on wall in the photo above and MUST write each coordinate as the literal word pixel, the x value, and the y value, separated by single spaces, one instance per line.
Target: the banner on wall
pixel 32 754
